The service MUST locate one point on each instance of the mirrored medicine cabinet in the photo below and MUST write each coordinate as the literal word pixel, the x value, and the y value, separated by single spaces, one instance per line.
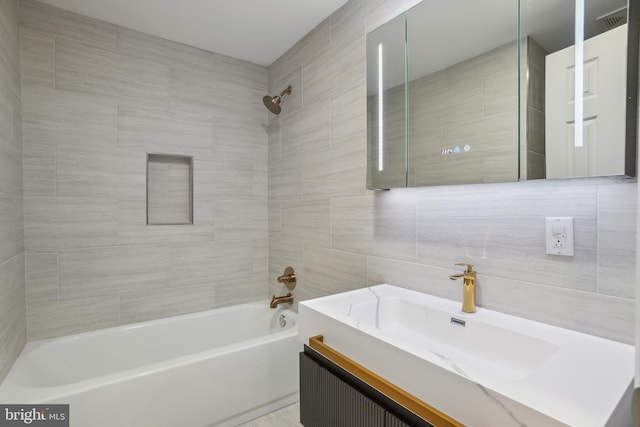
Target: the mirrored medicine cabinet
pixel 465 92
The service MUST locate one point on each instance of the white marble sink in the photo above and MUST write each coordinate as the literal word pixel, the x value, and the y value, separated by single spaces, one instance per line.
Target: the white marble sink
pixel 483 369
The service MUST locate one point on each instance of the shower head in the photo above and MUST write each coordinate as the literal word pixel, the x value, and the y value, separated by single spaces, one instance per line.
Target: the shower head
pixel 273 102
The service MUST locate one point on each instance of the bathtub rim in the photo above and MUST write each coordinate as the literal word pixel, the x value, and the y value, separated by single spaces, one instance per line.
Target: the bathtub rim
pixel 16 392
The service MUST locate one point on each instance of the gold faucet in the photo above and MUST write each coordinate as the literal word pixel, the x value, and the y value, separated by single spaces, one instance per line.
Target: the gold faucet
pixel 288 299
pixel 288 278
pixel 468 288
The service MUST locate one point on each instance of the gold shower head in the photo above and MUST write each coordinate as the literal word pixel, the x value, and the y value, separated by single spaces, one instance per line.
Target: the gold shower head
pixel 273 102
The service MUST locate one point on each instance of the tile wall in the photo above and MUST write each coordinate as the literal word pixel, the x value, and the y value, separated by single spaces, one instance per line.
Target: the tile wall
pixel 13 329
pixel 96 99
pixel 338 236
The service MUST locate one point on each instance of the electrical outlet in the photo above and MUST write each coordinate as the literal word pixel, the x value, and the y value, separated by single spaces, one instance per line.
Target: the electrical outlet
pixel 559 236
pixel 559 241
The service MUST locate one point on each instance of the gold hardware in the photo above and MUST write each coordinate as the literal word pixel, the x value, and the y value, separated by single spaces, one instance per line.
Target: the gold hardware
pixel 288 278
pixel 287 299
pixel 409 401
pixel 468 288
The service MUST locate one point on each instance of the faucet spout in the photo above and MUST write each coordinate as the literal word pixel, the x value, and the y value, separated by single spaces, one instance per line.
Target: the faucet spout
pixel 275 301
pixel 468 288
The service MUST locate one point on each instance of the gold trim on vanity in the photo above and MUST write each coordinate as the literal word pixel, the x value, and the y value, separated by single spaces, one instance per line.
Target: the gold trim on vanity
pixel 403 398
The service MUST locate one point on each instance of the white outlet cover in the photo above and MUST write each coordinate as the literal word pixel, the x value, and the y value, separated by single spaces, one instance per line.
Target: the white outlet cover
pixel 559 228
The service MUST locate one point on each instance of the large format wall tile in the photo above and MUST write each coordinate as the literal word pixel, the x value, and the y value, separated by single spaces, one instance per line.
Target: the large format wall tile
pixel 70 222
pixel 141 306
pixel 338 170
pixel 7 227
pixel 382 225
pixel 285 178
pixel 307 129
pixel 13 314
pixel 55 318
pixel 81 67
pixel 306 222
pixel 413 237
pixel 41 277
pixel 230 180
pixel 94 272
pixel 12 311
pixel 617 240
pixel 18 219
pixel 97 98
pixel 153 128
pixel 100 174
pixel 303 52
pixel 133 228
pixel 240 219
pixel 59 118
pixel 587 312
pixel 139 45
pixel 511 248
pixel 210 263
pixel 232 71
pixel 39 16
pixel 316 79
pixel 10 143
pixel 237 141
pixel 10 47
pixel 328 271
pixel 38 58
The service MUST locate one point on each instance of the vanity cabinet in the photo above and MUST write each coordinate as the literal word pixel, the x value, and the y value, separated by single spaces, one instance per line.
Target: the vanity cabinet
pixel 331 396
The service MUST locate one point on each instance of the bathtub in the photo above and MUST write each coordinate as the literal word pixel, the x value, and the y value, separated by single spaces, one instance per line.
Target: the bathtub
pixel 221 367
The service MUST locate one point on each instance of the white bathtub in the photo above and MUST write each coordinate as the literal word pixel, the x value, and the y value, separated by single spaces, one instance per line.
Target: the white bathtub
pixel 216 368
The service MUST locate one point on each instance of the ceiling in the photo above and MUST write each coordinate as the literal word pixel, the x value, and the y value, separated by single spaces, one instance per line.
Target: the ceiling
pixel 258 31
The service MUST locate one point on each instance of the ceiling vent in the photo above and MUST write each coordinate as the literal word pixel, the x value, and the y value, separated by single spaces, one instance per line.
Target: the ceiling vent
pixel 612 19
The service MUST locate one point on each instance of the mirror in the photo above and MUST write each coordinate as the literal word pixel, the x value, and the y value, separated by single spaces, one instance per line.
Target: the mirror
pixel 386 105
pixel 485 91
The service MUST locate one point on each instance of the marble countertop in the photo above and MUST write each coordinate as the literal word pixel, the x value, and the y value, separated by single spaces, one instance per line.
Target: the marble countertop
pixel 496 370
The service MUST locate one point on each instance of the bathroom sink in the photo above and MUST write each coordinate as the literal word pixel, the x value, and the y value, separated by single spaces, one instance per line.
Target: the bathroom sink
pixel 476 347
pixel 483 369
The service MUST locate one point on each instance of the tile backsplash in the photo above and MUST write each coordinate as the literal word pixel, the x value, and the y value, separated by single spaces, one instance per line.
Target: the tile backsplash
pixel 338 236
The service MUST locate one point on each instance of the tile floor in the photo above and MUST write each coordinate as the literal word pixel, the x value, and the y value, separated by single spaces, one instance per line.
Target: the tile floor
pixel 285 417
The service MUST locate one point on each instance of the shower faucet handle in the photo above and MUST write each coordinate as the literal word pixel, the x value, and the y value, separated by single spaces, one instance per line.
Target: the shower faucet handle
pixel 288 278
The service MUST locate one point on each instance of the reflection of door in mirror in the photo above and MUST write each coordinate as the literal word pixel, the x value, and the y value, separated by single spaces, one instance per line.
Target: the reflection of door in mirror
pixel 458 92
pixel 601 151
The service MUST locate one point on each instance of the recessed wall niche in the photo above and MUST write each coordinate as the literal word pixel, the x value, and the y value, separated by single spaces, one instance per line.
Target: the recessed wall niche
pixel 169 189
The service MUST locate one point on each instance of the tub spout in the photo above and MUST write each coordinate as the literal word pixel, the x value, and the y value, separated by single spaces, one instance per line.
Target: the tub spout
pixel 288 299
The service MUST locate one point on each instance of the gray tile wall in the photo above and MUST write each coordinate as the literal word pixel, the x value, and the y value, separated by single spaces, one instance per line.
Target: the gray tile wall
pixel 13 330
pixel 96 99
pixel 338 236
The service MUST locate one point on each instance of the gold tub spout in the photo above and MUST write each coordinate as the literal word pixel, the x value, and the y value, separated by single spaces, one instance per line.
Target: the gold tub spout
pixel 288 299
